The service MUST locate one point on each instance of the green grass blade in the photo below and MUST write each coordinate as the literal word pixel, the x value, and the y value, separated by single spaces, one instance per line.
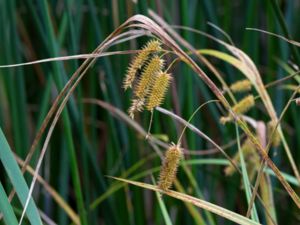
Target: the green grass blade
pixel 6 209
pixel 246 181
pixel 57 76
pixel 162 206
pixel 14 173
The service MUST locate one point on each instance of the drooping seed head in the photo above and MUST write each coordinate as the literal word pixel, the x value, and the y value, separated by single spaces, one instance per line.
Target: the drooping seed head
pixel 241 86
pixel 298 101
pixel 239 108
pixel 158 90
pixel 244 105
pixel 169 168
pixel 148 77
pixel 139 61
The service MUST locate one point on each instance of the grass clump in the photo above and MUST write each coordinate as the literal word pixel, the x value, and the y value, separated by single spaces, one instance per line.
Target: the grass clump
pixel 90 138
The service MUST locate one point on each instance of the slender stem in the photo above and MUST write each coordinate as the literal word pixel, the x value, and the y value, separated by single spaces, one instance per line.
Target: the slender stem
pixel 191 117
pixel 150 125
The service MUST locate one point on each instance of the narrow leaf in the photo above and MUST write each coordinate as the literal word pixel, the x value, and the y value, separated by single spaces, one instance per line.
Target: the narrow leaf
pixel 6 209
pixel 14 173
pixel 225 213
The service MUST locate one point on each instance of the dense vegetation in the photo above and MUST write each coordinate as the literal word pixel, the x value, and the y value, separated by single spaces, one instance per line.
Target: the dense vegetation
pixel 232 127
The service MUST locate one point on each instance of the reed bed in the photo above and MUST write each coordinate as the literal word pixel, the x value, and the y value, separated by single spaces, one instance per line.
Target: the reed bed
pixel 149 112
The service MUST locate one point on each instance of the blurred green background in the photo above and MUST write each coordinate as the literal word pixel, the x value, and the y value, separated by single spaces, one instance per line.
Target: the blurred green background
pixel 104 145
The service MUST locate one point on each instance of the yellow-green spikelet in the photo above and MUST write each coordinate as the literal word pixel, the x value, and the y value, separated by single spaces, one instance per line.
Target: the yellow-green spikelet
pixel 169 168
pixel 148 77
pixel 158 91
pixel 244 105
pixel 139 61
pixel 240 86
pixel 240 108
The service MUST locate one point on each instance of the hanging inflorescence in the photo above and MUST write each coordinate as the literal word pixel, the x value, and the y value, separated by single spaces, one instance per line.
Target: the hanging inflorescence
pixel 146 77
pixel 168 170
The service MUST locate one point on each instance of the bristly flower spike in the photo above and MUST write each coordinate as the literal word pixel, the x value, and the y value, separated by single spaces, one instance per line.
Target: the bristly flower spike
pixel 144 85
pixel 148 77
pixel 241 86
pixel 240 108
pixel 158 91
pixel 138 62
pixel 244 105
pixel 169 168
